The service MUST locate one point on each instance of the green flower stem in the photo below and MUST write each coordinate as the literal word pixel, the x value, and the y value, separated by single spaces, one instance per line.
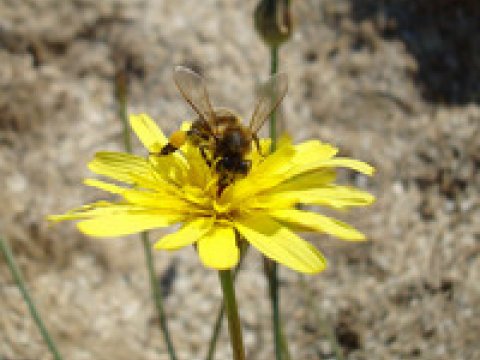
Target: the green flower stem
pixel 157 295
pixel 126 128
pixel 218 321
pixel 273 116
pixel 271 271
pixel 234 328
pixel 273 290
pixel 284 345
pixel 271 268
pixel 212 345
pixel 17 276
pixel 121 96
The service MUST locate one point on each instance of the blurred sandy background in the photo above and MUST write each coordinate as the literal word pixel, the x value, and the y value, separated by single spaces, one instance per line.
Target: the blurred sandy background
pixel 394 83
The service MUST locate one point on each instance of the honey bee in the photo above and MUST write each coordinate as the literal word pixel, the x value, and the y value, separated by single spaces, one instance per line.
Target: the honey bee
pixel 224 141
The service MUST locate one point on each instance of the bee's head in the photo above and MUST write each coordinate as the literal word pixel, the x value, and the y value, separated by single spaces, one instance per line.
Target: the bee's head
pixel 233 164
pixel 235 141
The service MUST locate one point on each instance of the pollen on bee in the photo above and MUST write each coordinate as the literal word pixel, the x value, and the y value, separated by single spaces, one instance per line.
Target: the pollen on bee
pixel 178 138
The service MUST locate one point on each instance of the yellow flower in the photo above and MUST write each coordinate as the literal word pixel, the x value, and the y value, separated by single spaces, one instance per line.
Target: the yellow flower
pixel 262 207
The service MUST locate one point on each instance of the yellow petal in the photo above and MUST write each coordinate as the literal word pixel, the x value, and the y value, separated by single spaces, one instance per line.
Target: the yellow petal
pixel 314 150
pixel 126 223
pixel 98 208
pixel 289 164
pixel 306 158
pixel 105 186
pixel 312 166
pixel 148 132
pixel 280 244
pixel 335 196
pixel 269 173
pixel 353 164
pixel 315 157
pixel 307 180
pixel 186 235
pixel 127 168
pixel 199 174
pixel 310 221
pixel 275 163
pixel 218 249
pixel 308 154
pixel 155 200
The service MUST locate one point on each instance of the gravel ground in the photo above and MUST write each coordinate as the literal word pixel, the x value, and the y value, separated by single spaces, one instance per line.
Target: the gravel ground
pixel 394 83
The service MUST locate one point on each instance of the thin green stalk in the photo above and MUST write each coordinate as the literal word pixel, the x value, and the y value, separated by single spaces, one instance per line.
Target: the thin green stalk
pixel 273 116
pixel 17 276
pixel 157 295
pixel 218 321
pixel 126 128
pixel 272 273
pixel 322 323
pixel 281 346
pixel 234 328
pixel 212 345
pixel 121 95
pixel 284 345
pixel 272 270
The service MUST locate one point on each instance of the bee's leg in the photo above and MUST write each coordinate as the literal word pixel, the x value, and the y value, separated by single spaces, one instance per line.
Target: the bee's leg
pixel 166 150
pixel 177 139
pixel 204 155
pixel 223 182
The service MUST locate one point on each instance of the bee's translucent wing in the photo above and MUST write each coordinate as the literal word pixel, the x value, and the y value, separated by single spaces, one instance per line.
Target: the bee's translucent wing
pixel 193 89
pixel 269 96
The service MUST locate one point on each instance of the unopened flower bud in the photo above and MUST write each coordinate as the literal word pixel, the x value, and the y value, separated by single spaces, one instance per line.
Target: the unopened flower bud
pixel 273 21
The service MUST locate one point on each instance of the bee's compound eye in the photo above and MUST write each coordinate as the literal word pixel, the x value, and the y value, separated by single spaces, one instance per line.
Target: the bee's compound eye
pixel 178 138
